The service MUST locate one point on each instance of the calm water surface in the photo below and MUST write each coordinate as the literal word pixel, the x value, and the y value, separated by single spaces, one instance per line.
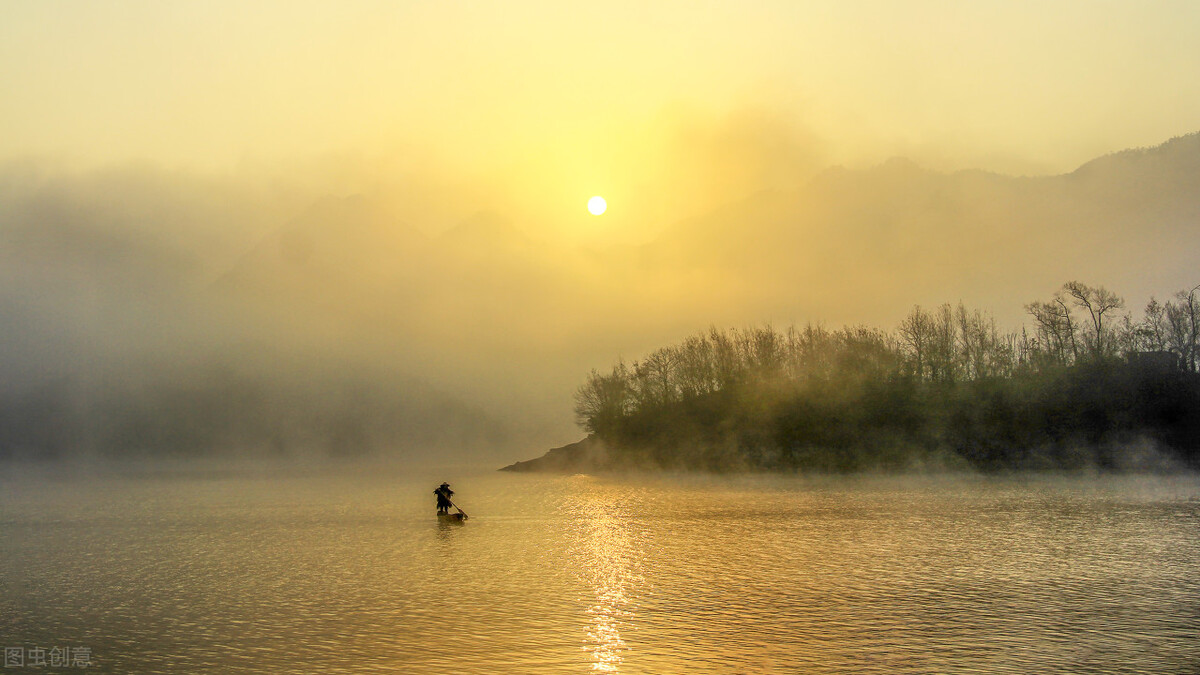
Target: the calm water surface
pixel 349 571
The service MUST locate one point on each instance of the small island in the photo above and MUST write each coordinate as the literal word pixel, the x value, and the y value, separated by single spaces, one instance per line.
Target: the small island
pixel 1086 387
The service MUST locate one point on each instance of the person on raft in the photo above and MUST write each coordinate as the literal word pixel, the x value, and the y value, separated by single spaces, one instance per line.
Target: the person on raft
pixel 443 498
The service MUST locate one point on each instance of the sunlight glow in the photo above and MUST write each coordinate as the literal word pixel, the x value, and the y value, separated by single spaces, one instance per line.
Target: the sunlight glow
pixel 607 555
pixel 597 205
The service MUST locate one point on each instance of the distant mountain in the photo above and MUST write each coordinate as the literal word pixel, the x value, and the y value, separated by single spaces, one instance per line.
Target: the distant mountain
pixel 1174 161
pixel 486 232
pixel 896 234
pixel 336 242
pixel 845 246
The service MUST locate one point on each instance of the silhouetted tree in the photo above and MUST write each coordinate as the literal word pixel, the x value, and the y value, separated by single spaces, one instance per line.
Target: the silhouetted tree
pixel 917 334
pixel 1056 331
pixel 947 387
pixel 1099 338
pixel 602 401
pixel 1151 332
pixel 1183 323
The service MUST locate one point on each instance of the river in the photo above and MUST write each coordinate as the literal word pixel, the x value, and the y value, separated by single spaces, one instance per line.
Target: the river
pixel 217 571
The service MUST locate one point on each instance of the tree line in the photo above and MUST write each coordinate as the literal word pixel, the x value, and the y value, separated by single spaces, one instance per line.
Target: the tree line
pixel 1081 386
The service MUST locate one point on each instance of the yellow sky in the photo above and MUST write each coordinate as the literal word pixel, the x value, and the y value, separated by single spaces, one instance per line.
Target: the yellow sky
pixel 213 83
pixel 669 109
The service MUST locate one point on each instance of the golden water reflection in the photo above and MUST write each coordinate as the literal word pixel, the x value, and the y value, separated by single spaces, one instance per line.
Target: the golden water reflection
pixel 704 576
pixel 607 555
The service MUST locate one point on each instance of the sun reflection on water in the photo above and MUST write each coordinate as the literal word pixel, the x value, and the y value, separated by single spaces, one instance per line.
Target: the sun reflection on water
pixel 608 559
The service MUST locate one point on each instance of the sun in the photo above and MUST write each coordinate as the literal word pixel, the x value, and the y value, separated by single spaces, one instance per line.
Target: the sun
pixel 597 205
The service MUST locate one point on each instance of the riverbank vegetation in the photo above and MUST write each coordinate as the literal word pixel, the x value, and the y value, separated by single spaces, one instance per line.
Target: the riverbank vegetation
pixel 1086 385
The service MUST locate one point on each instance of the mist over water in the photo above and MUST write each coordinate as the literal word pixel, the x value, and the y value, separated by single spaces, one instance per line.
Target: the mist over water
pixel 187 570
pixel 157 312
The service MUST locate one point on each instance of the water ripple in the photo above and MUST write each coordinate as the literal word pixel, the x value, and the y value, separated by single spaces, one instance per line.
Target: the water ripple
pixel 579 574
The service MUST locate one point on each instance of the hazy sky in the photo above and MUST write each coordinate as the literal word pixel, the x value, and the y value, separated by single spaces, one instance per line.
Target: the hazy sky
pixel 1010 84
